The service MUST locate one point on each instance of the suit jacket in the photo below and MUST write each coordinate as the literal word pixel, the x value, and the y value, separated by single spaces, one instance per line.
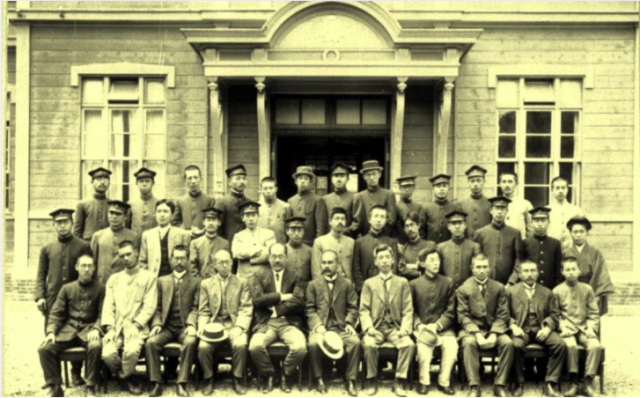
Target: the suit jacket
pixel 545 304
pixel 482 314
pixel 200 255
pixel 238 300
pixel 189 299
pixel 151 251
pixel 344 302
pixel 400 303
pixel 77 310
pixel 266 299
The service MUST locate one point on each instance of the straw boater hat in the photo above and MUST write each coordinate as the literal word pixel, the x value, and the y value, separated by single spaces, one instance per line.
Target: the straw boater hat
pixel 427 337
pixel 370 165
pixel 214 333
pixel 304 170
pixel 332 345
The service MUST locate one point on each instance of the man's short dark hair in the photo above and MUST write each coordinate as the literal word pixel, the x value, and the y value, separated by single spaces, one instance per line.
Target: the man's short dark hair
pixel 269 179
pixel 85 255
pixel 528 262
pixel 337 210
pixel 377 207
pixel 424 253
pixel 479 257
pixel 192 167
pixel 169 203
pixel 126 243
pixel 508 173
pixel 281 244
pixel 559 179
pixel 382 248
pixel 413 216
pixel 569 260
pixel 182 248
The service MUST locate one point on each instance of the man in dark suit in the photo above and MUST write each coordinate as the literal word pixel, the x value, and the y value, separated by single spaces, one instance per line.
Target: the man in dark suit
pixel 278 301
pixel 225 299
pixel 92 213
pixel 483 313
pixel 332 305
pixel 543 249
pixel 174 320
pixel 534 319
pixel 230 218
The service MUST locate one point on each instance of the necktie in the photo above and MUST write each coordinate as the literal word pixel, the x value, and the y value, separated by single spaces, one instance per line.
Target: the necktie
pixel 483 288
pixel 277 277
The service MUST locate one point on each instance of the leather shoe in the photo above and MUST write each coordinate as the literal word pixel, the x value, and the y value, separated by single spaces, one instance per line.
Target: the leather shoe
pixel 129 386
pixel 238 387
pixel 55 391
pixel 474 391
pixel 76 378
pixel 499 391
pixel 372 387
pixel 284 384
pixel 518 391
pixel 572 391
pixel 208 387
pixel 267 387
pixel 423 389
pixel 550 390
pixel 398 388
pixel 588 389
pixel 446 390
pixel 352 390
pixel 156 391
pixel 182 390
pixel 320 387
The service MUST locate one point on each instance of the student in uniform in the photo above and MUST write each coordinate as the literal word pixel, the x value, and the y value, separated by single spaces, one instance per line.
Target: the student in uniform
pixel 305 203
pixel 92 213
pixel 406 205
pixel 458 251
pixel 143 208
pixel 340 197
pixel 230 217
pixel 477 206
pixel 189 207
pixel 437 210
pixel 374 195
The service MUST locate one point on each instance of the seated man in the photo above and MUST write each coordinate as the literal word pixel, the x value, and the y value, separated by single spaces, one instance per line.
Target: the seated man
pixel 332 305
pixel 225 299
pixel 174 320
pixel 130 301
pixel 483 313
pixel 71 323
pixel 278 301
pixel 579 321
pixel 386 314
pixel 534 317
pixel 434 301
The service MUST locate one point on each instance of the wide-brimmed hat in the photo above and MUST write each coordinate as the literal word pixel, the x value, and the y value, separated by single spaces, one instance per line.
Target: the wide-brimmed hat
pixel 332 345
pixel 304 170
pixel 214 333
pixel 370 165
pixel 427 337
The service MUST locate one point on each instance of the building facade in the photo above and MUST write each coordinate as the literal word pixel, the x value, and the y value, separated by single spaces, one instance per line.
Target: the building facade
pixel 542 88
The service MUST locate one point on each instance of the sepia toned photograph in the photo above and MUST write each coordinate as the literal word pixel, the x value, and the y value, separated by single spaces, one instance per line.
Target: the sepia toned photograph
pixel 320 198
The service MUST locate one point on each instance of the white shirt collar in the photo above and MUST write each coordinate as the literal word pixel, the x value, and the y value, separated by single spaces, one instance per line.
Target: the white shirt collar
pixel 387 278
pixel 580 247
pixel 179 275
pixel 331 279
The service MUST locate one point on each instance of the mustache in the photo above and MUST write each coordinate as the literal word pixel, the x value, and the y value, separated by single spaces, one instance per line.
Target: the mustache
pixel 326 271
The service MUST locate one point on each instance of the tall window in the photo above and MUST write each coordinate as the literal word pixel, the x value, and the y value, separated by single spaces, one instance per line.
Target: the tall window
pixel 123 129
pixel 539 134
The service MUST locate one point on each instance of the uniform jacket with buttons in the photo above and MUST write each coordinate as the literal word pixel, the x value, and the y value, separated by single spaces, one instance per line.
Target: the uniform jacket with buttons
pixel 189 210
pixel 299 258
pixel 142 215
pixel 364 200
pixel 343 300
pixel 408 254
pixel 201 256
pixel 503 246
pixel 77 310
pixel 547 253
pixel 343 246
pixel 437 225
pixel 231 219
pixel 372 303
pixel 189 295
pixel 456 257
pixel 272 217
pixel 91 216
pixel 326 204
pixel 246 243
pixel 545 304
pixel 478 314
pixel 434 301
pixel 104 245
pixel 404 207
pixel 578 307
pixel 479 213
pixel 151 246
pixel 238 301
pixel 305 205
pixel 363 260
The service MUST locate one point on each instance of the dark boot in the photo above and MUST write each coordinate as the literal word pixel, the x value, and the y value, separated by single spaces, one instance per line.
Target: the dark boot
pixel 182 390
pixel 446 390
pixel 238 387
pixel 285 383
pixel 372 386
pixel 352 390
pixel 398 387
pixel 320 387
pixel 131 387
pixel 423 389
pixel 55 390
pixel 268 385
pixel 573 386
pixel 207 391
pixel 499 391
pixel 474 391
pixel 76 377
pixel 518 390
pixel 551 390
pixel 156 391
pixel 588 388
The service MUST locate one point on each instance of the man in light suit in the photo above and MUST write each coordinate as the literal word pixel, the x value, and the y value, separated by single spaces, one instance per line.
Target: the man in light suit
pixel 158 242
pixel 174 320
pixel 204 248
pixel 386 315
pixel 225 299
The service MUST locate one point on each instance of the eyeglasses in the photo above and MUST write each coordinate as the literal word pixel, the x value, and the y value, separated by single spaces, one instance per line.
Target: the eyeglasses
pixel 278 256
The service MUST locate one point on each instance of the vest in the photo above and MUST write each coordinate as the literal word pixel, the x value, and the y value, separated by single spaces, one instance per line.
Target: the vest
pixel 531 324
pixel 332 321
pixel 387 319
pixel 223 314
pixel 165 267
pixel 174 320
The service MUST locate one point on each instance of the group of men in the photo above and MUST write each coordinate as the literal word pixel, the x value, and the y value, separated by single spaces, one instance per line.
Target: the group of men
pixel 333 277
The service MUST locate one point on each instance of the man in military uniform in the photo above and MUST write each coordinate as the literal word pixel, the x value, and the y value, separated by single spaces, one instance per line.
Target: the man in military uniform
pixel 174 320
pixel 298 254
pixel 340 197
pixel 305 203
pixel 230 219
pixel 57 266
pixel 458 251
pixel 408 261
pixel 92 213
pixel 131 300
pixel 104 243
pixel 143 208
pixel 544 250
pixel 518 216
pixel 406 205
pixel 251 246
pixel 274 210
pixel 374 195
pixel 204 248
pixel 336 241
pixel 437 227
pixel 158 243
pixel 189 207
pixel 477 206
pixel 74 321
pixel 501 243
pixel 363 258
pixel 563 211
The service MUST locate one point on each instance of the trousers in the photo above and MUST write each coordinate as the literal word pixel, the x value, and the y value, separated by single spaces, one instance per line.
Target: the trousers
pixel 557 355
pixel 155 344
pixel 404 345
pixel 278 329
pixel 448 359
pixel 594 353
pixel 238 345
pixel 352 350
pixel 123 366
pixel 50 362
pixel 471 359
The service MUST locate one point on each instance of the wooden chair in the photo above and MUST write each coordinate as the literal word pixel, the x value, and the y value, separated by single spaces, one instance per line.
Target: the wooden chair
pixel 172 350
pixel 75 354
pixel 388 351
pixel 279 350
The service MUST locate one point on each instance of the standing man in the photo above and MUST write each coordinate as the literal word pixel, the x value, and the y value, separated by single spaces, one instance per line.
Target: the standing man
pixel 363 259
pixel 203 249
pixel 563 211
pixel 501 243
pixel 458 251
pixel 130 302
pixel 340 197
pixel 544 250
pixel 519 208
pixel 274 210
pixel 386 315
pixel 439 208
pixel 534 319
pixel 74 321
pixel 305 203
pixel 407 185
pixel 231 219
pixel 332 308
pixel 408 252
pixel 298 254
pixel 483 313
pixel 105 243
pixel 143 208
pixel 477 206
pixel 374 195
pixel 92 213
pixel 336 241
pixel 278 301
pixel 174 320
pixel 189 207
pixel 434 302
pixel 158 242
pixel 251 246
pixel 225 300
